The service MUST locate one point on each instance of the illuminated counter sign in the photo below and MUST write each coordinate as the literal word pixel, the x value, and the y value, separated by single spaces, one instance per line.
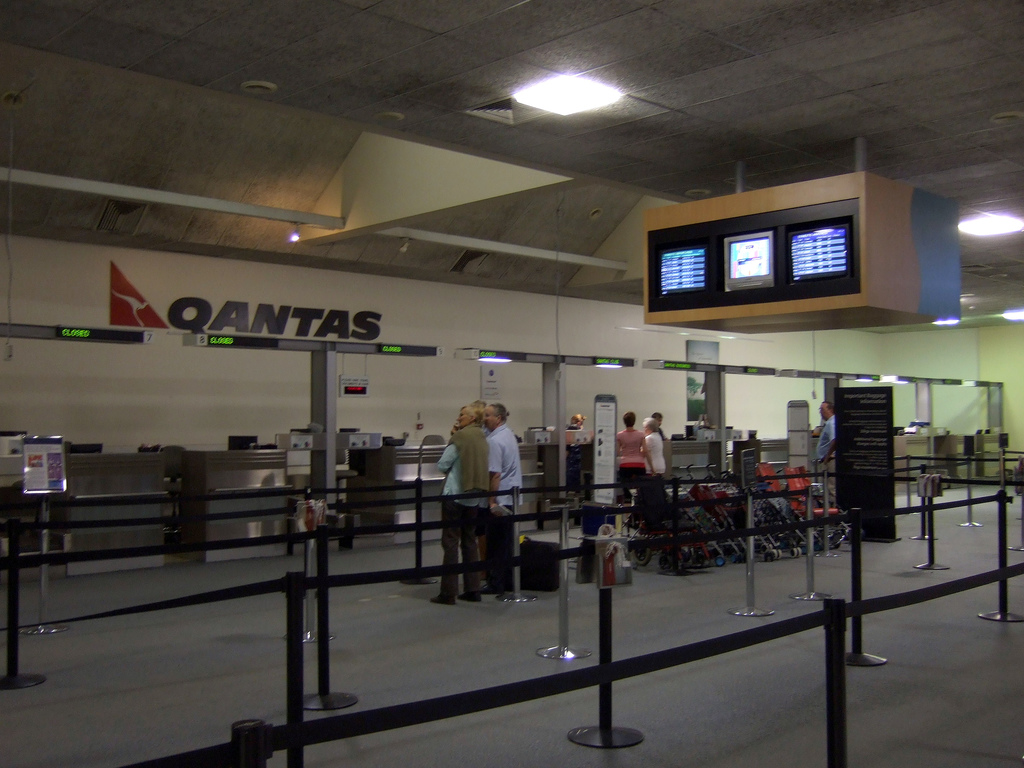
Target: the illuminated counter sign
pixel 250 342
pixel 758 370
pixel 102 334
pixel 677 366
pixel 954 382
pixel 406 349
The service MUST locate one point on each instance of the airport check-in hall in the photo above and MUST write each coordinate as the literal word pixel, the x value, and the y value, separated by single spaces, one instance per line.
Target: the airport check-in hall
pixel 681 337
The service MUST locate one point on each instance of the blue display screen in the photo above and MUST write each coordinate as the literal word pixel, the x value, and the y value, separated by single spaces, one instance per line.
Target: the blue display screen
pixel 684 269
pixel 818 253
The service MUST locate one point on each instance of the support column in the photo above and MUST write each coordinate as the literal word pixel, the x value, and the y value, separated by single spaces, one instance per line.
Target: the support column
pixel 553 408
pixel 323 410
pixel 714 398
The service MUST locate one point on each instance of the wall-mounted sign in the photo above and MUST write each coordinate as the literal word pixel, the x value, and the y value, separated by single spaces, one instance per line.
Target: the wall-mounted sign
pixel 357 386
pixel 490 383
pixel 605 414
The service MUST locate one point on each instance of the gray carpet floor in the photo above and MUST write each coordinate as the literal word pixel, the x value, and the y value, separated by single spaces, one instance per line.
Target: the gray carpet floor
pixel 133 688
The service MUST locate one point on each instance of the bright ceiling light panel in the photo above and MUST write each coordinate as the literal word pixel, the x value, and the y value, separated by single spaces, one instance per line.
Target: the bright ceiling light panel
pixel 946 321
pixel 567 95
pixel 1014 314
pixel 991 224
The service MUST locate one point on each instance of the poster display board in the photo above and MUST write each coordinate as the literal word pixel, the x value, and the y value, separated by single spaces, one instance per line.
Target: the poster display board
pixel 605 415
pixel 864 456
pixel 44 464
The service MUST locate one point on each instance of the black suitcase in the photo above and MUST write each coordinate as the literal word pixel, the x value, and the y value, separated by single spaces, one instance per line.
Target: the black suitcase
pixel 539 572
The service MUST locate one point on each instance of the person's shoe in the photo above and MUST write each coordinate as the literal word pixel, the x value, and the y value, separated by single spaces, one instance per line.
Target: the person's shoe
pixel 470 597
pixel 443 600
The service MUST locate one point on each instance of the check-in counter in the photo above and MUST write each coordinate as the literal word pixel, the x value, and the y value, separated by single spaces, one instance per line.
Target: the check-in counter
pixel 206 472
pixel 697 455
pixel 943 447
pixel 97 476
pixel 392 465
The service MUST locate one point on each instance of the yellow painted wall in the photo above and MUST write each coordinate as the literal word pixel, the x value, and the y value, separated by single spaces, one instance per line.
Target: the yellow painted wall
pixel 1001 355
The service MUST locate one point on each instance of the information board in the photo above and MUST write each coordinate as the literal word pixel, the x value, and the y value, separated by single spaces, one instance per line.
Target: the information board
pixel 44 464
pixel 605 414
pixel 864 456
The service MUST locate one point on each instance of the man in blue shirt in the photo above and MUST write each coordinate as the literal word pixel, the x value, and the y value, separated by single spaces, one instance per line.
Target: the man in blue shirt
pixel 826 453
pixel 506 474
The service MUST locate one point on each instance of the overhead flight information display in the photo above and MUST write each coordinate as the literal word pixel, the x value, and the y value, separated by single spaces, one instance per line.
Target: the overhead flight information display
pixel 821 252
pixel 684 269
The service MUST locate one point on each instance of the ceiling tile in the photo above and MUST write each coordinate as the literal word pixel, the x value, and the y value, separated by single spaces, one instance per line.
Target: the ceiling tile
pixel 440 16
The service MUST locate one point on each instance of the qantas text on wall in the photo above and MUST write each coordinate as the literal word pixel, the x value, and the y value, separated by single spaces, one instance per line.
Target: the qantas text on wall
pixel 191 313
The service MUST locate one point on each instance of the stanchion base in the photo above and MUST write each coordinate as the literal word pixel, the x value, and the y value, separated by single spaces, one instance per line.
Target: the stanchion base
pixel 1016 549
pixel 515 597
pixel 826 554
pixel 811 596
pixel 565 652
pixel 931 567
pixel 864 660
pixel 972 524
pixel 45 629
pixel 310 637
pixel 921 538
pixel 315 702
pixel 1009 618
pixel 16 682
pixel 417 582
pixel 751 611
pixel 605 738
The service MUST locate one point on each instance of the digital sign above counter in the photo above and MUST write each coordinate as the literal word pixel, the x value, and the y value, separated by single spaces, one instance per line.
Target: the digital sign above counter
pixel 78 333
pixel 231 341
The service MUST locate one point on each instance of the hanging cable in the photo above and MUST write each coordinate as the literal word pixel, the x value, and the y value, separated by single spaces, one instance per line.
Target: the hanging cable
pixel 8 348
pixel 558 276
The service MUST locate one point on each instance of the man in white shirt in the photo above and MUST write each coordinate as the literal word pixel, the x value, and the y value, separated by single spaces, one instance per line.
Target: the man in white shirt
pixel 506 474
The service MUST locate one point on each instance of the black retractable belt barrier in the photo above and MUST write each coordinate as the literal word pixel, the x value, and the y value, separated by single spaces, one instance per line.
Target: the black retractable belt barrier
pixel 13 680
pixel 835 681
pixel 857 657
pixel 1003 614
pixel 250 744
pixel 294 584
pixel 419 537
pixel 604 736
pixel 323 699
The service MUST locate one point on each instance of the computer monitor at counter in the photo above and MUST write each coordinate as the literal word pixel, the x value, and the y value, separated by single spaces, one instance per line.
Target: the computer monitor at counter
pixel 242 442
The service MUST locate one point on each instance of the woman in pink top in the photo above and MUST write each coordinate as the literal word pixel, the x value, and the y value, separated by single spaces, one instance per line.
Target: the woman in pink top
pixel 629 447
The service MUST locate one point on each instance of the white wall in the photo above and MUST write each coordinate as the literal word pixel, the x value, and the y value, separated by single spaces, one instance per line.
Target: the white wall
pixel 170 394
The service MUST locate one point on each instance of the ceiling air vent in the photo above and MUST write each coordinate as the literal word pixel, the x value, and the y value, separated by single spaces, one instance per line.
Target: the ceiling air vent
pixel 506 111
pixel 466 259
pixel 121 216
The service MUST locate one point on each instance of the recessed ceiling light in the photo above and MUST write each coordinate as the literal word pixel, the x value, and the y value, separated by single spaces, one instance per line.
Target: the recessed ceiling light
pixel 389 117
pixel 1014 314
pixel 258 87
pixel 696 194
pixel 1003 118
pixel 595 213
pixel 991 224
pixel 567 95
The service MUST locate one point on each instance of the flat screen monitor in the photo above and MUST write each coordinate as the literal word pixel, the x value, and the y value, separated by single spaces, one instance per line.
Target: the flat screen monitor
pixel 241 442
pixel 749 260
pixel 85 447
pixel 819 253
pixel 684 268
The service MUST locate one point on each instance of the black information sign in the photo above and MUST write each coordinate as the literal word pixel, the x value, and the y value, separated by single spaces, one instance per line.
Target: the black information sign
pixel 864 456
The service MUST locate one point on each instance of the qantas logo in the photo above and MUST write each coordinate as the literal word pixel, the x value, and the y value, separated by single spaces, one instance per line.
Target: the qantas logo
pixel 194 314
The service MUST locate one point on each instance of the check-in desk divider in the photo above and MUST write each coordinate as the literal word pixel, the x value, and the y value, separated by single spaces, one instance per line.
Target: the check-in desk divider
pixel 324 699
pixel 971 523
pixel 14 680
pixel 750 609
pixel 923 535
pixel 1003 614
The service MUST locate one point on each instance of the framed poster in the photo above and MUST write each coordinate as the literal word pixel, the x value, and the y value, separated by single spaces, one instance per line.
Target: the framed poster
pixel 44 464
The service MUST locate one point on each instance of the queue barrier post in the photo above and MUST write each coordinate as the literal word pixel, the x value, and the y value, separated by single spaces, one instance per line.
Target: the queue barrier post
pixel 971 523
pixel 250 744
pixel 923 535
pixel 930 486
pixel 750 609
pixel 857 657
pixel 41 627
pixel 835 681
pixel 826 506
pixel 418 580
pixel 1003 614
pixel 563 650
pixel 13 680
pixel 604 735
pixel 515 596
pixel 810 593
pixel 323 699
pixel 295 588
